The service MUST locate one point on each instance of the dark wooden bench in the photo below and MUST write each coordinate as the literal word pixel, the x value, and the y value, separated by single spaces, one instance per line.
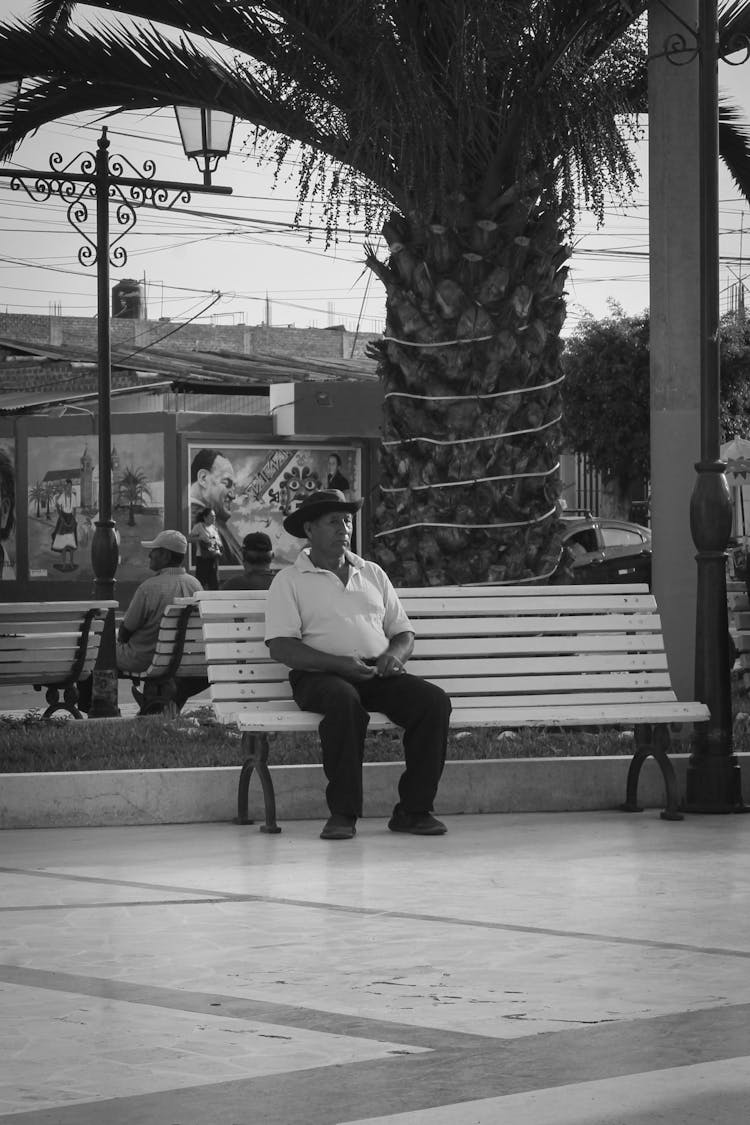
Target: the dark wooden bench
pixel 51 645
pixel 538 656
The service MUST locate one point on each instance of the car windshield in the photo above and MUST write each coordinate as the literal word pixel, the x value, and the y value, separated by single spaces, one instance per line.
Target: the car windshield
pixel 621 537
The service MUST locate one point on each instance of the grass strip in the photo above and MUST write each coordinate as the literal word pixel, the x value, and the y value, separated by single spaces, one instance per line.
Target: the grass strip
pixel 35 745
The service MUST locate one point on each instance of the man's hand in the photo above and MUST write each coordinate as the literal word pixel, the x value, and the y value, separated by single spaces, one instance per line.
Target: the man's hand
pixel 389 665
pixel 355 670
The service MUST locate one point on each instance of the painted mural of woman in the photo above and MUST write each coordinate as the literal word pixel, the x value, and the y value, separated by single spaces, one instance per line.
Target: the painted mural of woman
pixel 65 534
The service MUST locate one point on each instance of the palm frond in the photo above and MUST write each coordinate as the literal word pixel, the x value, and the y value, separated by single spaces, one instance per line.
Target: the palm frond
pixel 53 15
pixel 424 100
pixel 734 145
pixel 734 23
pixel 81 70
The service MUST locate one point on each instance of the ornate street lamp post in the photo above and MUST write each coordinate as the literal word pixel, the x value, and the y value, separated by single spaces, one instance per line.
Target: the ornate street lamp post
pixel 713 774
pixel 101 177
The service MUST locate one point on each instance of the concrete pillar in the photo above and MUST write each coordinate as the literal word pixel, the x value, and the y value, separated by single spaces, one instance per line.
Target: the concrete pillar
pixel 674 222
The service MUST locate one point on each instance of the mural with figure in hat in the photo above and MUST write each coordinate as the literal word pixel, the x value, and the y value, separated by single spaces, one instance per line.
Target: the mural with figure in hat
pixel 63 503
pixel 254 487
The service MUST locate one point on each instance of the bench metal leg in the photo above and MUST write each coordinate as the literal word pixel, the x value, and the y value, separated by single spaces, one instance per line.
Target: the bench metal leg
pixel 256 747
pixel 69 702
pixel 156 698
pixel 654 742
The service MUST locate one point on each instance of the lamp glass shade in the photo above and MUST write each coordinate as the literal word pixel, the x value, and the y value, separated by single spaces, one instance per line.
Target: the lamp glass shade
pixel 206 134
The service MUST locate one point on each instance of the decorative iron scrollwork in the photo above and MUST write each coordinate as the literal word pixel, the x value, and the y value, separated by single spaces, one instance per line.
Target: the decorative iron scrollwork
pixel 683 47
pixel 79 181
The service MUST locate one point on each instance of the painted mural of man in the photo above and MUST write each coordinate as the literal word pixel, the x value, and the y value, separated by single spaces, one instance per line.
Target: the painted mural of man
pixel 335 477
pixel 212 485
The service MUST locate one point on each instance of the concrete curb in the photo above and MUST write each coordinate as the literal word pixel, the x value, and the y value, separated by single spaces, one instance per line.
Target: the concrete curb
pixel 184 796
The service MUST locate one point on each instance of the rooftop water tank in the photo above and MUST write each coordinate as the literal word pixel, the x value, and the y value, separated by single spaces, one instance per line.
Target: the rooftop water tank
pixel 126 299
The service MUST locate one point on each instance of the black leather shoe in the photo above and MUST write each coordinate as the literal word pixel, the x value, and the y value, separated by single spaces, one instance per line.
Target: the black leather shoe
pixel 417 824
pixel 339 828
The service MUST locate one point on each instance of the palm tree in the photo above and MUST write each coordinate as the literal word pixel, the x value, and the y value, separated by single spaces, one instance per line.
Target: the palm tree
pixel 132 489
pixel 38 495
pixel 51 492
pixel 473 129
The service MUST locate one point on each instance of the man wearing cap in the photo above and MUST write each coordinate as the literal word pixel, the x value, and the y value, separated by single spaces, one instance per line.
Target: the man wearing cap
pixel 257 552
pixel 335 620
pixel 136 639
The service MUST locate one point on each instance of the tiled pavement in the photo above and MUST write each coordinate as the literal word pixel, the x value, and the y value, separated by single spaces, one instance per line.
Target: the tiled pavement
pixel 525 969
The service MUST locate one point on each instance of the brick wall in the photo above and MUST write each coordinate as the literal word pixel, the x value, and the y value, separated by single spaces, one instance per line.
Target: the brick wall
pixel 73 331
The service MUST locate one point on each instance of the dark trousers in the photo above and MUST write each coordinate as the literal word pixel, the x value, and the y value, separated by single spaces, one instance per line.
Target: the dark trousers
pixel 207 572
pixel 416 705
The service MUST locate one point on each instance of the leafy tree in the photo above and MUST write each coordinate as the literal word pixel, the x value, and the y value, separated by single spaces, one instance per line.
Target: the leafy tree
pixel 607 395
pixel 734 406
pixel 607 400
pixel 476 128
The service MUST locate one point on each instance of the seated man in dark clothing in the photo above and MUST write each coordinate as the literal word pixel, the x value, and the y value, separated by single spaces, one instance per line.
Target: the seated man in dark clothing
pixel 257 552
pixel 335 620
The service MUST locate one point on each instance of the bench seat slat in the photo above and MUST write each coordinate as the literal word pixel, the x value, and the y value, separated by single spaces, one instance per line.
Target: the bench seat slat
pixel 611 714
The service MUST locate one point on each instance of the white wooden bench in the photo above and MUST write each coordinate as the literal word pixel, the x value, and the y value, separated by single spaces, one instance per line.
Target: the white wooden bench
pixel 51 645
pixel 738 608
pixel 179 654
pixel 541 656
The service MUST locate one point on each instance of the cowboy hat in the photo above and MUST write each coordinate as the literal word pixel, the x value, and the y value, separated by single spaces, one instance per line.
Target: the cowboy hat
pixel 318 504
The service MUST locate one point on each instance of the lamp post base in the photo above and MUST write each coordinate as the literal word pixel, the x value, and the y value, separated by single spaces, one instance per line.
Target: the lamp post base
pixel 714 785
pixel 104 558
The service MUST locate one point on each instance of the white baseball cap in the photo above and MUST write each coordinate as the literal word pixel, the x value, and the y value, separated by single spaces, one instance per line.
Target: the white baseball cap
pixel 173 541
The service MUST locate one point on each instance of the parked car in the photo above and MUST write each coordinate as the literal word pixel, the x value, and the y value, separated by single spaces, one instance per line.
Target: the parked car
pixel 605 550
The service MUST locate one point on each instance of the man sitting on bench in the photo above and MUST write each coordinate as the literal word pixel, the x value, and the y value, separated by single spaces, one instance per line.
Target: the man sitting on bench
pixel 336 622
pixel 136 639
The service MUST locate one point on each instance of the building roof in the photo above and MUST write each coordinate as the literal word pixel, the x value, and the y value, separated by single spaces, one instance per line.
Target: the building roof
pixel 155 369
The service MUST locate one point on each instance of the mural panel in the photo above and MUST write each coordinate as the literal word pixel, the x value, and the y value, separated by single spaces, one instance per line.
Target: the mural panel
pixel 253 487
pixel 7 509
pixel 63 478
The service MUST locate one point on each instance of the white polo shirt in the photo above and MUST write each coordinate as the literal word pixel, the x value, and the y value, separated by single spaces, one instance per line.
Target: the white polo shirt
pixel 313 605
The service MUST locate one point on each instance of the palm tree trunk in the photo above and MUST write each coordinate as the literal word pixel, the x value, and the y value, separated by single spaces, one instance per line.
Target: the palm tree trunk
pixel 470 367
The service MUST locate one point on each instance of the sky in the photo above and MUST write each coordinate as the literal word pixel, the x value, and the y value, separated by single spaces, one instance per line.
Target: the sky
pixel 238 259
